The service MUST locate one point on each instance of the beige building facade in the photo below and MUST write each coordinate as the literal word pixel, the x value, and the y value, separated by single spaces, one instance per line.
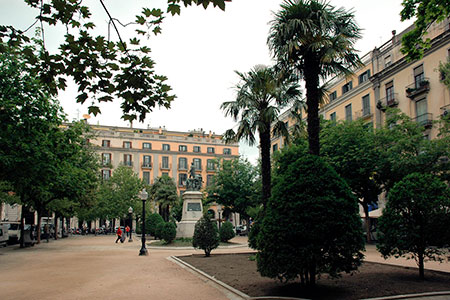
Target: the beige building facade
pixel 387 79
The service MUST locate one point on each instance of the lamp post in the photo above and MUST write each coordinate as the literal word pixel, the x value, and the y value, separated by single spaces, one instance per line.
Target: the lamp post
pixel 143 195
pixel 130 213
pixel 219 210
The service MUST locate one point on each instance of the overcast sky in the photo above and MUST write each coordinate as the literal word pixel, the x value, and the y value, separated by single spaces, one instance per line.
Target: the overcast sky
pixel 200 50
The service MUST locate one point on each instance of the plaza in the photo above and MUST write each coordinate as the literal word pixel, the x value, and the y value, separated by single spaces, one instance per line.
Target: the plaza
pixel 94 267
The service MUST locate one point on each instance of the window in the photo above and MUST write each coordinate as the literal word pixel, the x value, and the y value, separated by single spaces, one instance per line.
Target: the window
pixel 421 111
pixel 106 159
pixel 147 161
pixel 418 76
pixel 274 147
pixel 390 93
pixel 210 165
pixel 165 162
pixel 182 148
pixel 147 146
pixel 127 161
pixel 182 163
pixel 366 105
pixel 333 96
pixel 210 150
pixel 348 112
pixel 106 174
pixel 364 77
pixel 333 117
pixel 166 147
pixel 127 145
pixel 182 178
pixel 227 151
pixel 347 87
pixel 197 163
pixel 106 143
pixel 209 179
pixel 146 177
pixel 387 61
pixel 197 149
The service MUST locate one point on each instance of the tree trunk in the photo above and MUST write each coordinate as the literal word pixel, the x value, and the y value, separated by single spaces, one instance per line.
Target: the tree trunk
pixel 420 254
pixel 39 227
pixel 22 228
pixel 312 102
pixel 312 275
pixel 367 221
pixel 264 140
pixel 56 226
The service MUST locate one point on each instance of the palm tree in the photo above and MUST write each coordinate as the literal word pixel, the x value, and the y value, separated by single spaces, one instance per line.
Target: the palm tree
pixel 164 193
pixel 261 94
pixel 315 40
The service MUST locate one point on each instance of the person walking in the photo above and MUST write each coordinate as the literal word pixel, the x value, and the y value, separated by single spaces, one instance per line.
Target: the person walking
pixel 119 234
pixel 127 229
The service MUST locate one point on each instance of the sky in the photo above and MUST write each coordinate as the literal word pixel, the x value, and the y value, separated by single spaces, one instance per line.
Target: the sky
pixel 200 50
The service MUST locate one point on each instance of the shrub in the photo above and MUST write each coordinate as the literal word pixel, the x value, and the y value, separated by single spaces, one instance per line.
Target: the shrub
pixel 159 230
pixel 206 236
pixel 168 232
pixel 226 232
pixel 313 212
pixel 152 223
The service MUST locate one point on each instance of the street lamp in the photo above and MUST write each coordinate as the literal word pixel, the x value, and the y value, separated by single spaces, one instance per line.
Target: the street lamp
pixel 130 213
pixel 143 195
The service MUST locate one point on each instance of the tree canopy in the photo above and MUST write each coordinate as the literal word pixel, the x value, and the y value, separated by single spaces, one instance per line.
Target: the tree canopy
pixel 426 12
pixel 316 40
pixel 103 69
pixel 164 193
pixel 416 219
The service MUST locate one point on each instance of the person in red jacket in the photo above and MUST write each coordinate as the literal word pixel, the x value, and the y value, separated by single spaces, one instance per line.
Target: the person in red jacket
pixel 119 234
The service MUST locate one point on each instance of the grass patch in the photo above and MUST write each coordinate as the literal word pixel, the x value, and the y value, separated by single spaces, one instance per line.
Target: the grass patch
pixel 184 242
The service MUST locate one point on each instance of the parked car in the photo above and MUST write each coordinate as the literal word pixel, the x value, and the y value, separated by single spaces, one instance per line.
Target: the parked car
pixel 241 230
pixel 4 234
pixel 13 229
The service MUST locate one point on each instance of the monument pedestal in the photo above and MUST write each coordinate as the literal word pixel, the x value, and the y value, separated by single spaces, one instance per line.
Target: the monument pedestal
pixel 192 212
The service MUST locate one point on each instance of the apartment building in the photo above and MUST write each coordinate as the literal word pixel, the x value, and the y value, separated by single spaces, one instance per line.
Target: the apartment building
pixel 387 79
pixel 154 152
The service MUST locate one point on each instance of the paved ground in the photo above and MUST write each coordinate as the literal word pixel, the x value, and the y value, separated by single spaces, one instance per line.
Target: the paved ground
pixel 94 267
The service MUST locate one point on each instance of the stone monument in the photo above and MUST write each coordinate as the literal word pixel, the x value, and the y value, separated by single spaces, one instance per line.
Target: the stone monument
pixel 192 205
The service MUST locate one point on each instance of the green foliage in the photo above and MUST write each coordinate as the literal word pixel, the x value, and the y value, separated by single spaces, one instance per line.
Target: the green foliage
pixel 313 211
pixel 261 94
pixel 174 8
pixel 425 12
pixel 152 222
pixel 406 151
pixel 416 219
pixel 206 236
pixel 226 232
pixel 177 210
pixel 235 186
pixel 444 70
pixel 315 40
pixel 350 148
pixel 168 232
pixel 6 194
pixel 164 193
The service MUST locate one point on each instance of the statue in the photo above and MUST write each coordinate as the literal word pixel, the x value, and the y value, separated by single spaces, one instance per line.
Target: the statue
pixel 194 182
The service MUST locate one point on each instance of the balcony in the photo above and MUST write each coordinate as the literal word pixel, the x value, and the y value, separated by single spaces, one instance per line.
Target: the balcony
pixel 417 88
pixel 165 166
pixel 425 120
pixel 127 163
pixel 363 114
pixel 107 164
pixel 390 101
pixel 147 165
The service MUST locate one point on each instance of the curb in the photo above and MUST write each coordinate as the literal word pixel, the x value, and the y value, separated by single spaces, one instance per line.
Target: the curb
pixel 411 296
pixel 230 291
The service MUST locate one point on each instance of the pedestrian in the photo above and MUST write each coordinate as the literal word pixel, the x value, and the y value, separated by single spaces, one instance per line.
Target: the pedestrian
pixel 127 229
pixel 119 234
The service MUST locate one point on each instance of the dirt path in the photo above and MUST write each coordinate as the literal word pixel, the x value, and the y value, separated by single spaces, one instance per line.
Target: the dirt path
pixel 94 267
